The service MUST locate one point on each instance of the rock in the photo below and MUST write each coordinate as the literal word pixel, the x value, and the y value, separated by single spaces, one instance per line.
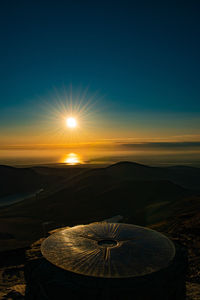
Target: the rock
pixel 16 292
pixel 193 291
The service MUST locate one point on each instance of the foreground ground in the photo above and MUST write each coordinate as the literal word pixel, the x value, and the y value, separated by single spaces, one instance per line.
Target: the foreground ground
pixel 184 228
pixel 166 200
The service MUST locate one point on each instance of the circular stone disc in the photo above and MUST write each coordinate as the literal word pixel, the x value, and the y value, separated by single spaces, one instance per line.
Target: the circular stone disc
pixel 112 250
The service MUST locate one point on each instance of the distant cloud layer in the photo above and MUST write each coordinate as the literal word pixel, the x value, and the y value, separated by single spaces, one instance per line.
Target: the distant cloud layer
pixel 162 145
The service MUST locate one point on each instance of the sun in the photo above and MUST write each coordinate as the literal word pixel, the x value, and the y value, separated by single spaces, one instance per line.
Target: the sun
pixel 71 122
pixel 72 159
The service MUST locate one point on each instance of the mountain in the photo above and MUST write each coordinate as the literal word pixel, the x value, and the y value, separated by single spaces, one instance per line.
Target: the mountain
pixel 188 177
pixel 141 194
pixel 19 180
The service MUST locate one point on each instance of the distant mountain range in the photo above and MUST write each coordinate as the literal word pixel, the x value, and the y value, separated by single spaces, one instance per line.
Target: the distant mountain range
pixel 76 194
pixel 127 189
pixel 188 177
pixel 17 180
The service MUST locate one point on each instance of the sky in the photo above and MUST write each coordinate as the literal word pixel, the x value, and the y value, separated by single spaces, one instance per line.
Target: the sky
pixel 128 70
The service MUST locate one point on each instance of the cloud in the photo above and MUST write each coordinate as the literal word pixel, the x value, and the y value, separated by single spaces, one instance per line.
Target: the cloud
pixel 162 145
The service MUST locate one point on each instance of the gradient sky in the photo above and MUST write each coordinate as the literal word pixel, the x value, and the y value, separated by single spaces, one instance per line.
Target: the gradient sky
pixel 134 64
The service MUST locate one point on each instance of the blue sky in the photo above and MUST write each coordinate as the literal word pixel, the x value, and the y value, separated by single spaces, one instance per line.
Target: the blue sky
pixel 142 57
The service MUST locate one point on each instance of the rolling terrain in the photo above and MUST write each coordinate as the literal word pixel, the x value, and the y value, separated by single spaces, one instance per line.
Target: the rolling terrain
pixel 73 195
pixel 165 199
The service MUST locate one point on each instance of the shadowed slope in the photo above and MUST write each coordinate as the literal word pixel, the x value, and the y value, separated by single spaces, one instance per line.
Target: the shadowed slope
pixel 136 192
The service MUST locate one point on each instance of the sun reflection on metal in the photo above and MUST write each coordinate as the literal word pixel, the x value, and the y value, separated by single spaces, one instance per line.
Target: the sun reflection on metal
pixel 109 250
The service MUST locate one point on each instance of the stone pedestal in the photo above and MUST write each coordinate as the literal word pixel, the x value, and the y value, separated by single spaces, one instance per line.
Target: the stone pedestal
pixel 157 280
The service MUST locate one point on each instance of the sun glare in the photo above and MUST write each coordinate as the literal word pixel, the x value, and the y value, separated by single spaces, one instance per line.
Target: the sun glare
pixel 72 159
pixel 70 119
pixel 71 122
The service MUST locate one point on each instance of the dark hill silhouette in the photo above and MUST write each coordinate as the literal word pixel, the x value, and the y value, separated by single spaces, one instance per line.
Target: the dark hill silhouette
pixel 134 171
pixel 101 193
pixel 127 164
pixel 72 196
pixel 88 200
pixel 18 180
pixel 186 176
pixel 62 172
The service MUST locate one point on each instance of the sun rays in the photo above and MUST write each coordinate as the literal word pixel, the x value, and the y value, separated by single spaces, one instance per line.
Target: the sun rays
pixel 66 111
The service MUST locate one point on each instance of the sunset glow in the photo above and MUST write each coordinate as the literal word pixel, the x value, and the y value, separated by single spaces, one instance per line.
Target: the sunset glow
pixel 72 159
pixel 126 93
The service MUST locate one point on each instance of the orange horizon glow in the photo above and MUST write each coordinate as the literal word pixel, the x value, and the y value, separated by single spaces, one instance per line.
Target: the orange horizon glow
pixel 72 159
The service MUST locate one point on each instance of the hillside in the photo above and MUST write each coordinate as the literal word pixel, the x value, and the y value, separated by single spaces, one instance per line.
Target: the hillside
pixel 73 196
pixel 19 180
pixel 154 197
